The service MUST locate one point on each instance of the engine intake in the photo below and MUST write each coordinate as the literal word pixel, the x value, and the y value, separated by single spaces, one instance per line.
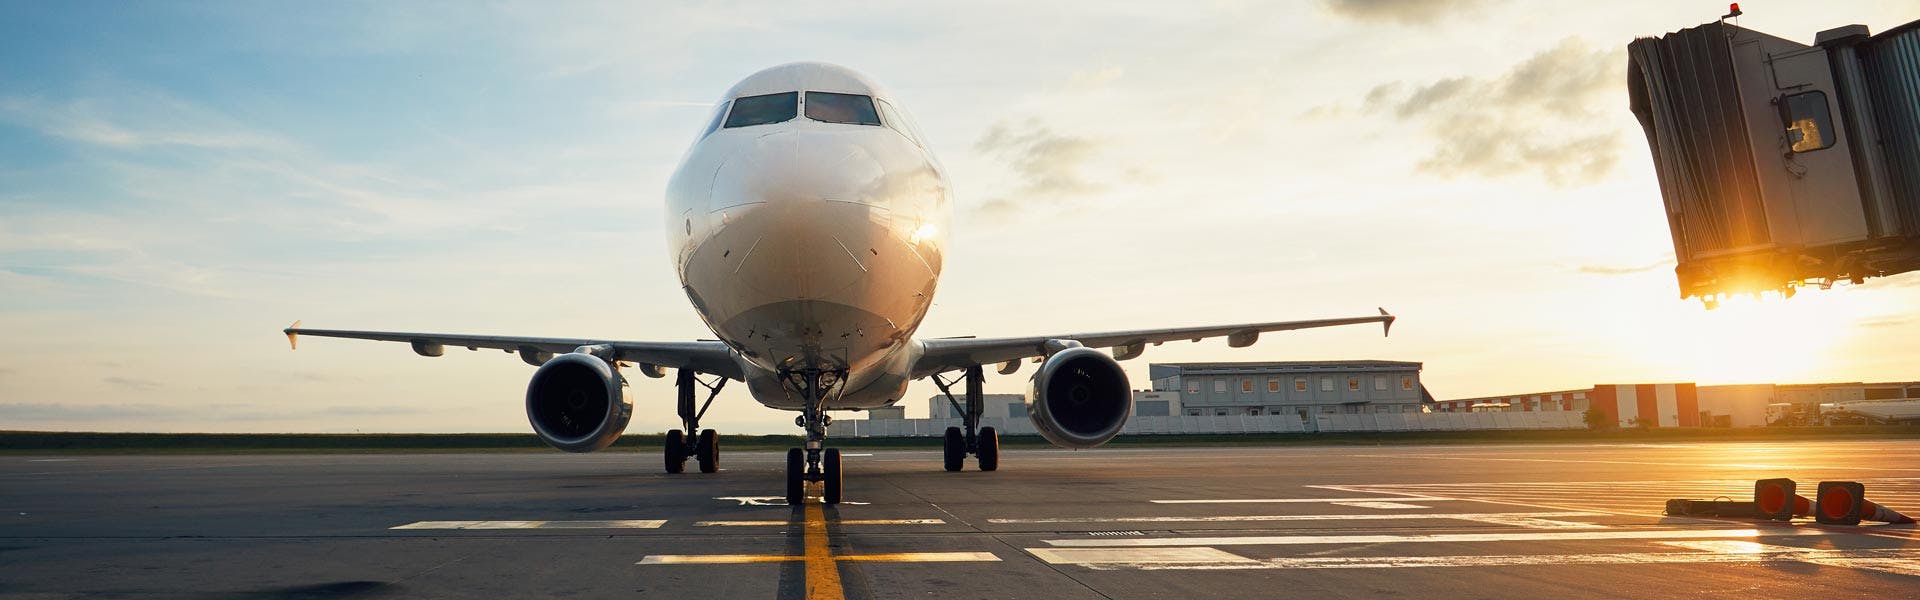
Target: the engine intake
pixel 578 403
pixel 1079 398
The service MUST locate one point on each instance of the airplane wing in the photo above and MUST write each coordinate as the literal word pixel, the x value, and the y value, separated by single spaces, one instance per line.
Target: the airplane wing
pixel 946 354
pixel 703 356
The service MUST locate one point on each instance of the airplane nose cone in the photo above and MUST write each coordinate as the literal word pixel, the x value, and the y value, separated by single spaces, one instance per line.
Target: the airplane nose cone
pixel 806 212
pixel 799 166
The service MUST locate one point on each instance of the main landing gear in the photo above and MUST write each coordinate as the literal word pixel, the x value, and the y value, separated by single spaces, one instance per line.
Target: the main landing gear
pixel 982 442
pixel 813 462
pixel 704 445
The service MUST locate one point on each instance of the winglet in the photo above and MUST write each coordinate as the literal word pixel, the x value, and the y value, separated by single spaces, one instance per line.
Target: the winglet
pixel 1386 326
pixel 293 335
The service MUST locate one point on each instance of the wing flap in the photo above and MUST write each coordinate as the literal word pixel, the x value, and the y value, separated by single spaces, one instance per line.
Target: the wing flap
pixel 945 354
pixel 704 356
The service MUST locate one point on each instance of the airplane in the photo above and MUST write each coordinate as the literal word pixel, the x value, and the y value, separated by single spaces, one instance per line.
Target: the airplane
pixel 808 225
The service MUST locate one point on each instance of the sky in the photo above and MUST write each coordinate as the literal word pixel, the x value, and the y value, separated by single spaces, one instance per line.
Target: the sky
pixel 179 181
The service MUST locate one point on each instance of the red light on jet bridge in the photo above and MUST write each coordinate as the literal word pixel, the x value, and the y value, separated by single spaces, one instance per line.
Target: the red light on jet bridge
pixel 1733 10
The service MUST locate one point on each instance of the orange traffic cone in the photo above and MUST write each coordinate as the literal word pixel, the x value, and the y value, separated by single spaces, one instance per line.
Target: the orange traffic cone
pixel 1845 503
pixel 1775 498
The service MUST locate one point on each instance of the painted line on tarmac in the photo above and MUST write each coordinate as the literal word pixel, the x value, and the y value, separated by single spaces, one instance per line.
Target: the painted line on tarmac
pixel 627 524
pixel 1288 540
pixel 1532 519
pixel 1381 505
pixel 782 523
pixel 1138 556
pixel 1899 561
pixel 724 559
pixel 1289 500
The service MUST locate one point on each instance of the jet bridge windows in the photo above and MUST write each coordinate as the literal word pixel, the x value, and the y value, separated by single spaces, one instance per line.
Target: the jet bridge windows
pixel 761 110
pixel 1809 124
pixel 850 109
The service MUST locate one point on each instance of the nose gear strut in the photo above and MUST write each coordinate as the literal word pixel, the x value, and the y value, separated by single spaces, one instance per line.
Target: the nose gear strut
pixel 822 464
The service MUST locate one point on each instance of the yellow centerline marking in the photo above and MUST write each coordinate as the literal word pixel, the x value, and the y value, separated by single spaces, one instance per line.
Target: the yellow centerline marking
pixel 823 574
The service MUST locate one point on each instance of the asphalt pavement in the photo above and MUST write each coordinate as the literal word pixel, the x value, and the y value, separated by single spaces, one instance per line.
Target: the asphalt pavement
pixel 1442 521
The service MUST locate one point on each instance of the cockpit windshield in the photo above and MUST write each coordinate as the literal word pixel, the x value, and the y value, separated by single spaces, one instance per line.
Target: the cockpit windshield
pixel 850 109
pixel 761 110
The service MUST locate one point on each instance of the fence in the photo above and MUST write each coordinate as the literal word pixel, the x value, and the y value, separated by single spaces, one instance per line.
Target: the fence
pixel 1244 424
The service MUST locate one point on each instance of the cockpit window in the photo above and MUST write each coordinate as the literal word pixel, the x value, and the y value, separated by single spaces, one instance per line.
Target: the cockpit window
pixel 841 108
pixel 718 113
pixel 761 110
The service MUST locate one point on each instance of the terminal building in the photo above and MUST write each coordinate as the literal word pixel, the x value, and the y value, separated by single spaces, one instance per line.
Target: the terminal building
pixel 1299 388
pixel 1691 405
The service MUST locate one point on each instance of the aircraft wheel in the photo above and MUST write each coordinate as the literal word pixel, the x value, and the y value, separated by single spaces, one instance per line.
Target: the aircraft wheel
pixel 830 467
pixel 989 450
pixel 796 477
pixel 676 451
pixel 956 449
pixel 708 451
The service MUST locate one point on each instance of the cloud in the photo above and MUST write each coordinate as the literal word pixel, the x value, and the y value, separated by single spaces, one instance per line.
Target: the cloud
pixel 1611 270
pixel 1886 322
pixel 81 122
pixel 1546 116
pixel 1048 166
pixel 1405 12
pixel 132 383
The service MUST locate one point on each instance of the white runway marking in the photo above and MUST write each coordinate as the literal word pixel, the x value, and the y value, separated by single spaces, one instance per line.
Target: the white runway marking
pixel 1137 556
pixel 1291 500
pixel 734 559
pixel 1898 561
pixel 1380 505
pixel 628 524
pixel 1285 540
pixel 773 500
pixel 1520 519
pixel 50 460
pixel 775 523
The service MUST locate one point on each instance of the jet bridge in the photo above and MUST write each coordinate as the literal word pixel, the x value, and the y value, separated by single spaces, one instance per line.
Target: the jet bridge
pixel 1783 165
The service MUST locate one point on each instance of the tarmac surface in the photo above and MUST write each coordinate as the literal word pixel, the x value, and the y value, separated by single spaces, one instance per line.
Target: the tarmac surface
pixel 1445 521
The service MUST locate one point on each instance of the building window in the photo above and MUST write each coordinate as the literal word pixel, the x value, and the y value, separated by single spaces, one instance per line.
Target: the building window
pixel 1219 386
pixel 1219 412
pixel 1353 384
pixel 1193 412
pixel 1299 384
pixel 1326 384
pixel 1273 385
pixel 1246 386
pixel 1406 383
pixel 1379 384
pixel 1253 411
pixel 1193 386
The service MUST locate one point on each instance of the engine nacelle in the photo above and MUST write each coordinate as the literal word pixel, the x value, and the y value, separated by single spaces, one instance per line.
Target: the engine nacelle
pixel 578 403
pixel 1079 398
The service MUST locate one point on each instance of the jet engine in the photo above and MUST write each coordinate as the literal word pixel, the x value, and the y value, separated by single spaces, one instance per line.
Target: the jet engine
pixel 1079 398
pixel 578 403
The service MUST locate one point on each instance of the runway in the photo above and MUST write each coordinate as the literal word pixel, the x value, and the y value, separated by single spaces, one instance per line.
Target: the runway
pixel 1442 521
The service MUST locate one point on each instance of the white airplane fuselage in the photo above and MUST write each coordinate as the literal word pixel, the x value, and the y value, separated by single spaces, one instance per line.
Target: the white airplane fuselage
pixel 811 245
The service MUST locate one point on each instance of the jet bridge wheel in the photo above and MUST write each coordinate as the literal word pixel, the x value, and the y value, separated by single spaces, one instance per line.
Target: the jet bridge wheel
pixel 956 449
pixel 988 449
pixel 676 451
pixel 830 469
pixel 796 477
pixel 708 451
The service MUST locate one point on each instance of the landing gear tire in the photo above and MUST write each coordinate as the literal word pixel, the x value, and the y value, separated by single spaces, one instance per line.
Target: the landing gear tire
pixel 796 477
pixel 676 451
pixel 708 451
pixel 956 449
pixel 988 449
pixel 830 469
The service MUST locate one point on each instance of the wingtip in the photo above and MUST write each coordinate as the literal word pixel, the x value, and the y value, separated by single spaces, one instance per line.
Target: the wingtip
pixel 293 335
pixel 1386 325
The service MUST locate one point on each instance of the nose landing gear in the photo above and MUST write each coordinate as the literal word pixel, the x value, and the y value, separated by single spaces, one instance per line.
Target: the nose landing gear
pixel 814 462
